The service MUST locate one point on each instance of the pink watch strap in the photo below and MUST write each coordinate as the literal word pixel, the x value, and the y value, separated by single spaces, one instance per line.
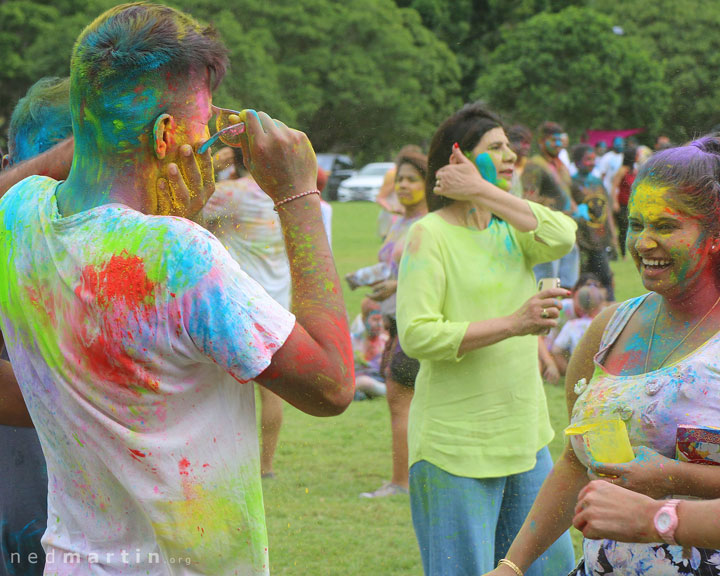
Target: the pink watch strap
pixel 668 532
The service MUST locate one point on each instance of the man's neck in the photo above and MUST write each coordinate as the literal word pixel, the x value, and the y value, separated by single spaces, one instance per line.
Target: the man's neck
pixel 95 181
pixel 548 158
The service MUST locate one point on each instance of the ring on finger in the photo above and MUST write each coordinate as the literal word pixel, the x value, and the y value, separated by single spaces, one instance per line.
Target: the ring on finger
pixel 544 313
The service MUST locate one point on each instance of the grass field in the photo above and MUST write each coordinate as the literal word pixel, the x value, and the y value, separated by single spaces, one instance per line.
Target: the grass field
pixel 317 524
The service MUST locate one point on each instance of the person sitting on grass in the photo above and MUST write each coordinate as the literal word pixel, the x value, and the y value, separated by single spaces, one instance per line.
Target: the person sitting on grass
pixel 369 338
pixel 588 302
pixel 568 311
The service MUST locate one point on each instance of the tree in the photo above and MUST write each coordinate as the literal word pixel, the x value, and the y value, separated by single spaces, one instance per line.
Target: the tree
pixel 363 78
pixel 37 40
pixel 472 28
pixel 359 77
pixel 683 36
pixel 571 67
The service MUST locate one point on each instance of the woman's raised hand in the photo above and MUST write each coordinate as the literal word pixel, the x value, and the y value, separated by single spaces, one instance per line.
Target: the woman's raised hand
pixel 539 313
pixel 459 180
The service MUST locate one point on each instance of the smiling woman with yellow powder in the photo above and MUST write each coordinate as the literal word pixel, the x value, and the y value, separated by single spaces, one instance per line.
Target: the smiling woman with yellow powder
pixel 399 370
pixel 652 361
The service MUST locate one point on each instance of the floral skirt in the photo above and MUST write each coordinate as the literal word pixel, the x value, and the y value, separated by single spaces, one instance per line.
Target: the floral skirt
pixel 607 557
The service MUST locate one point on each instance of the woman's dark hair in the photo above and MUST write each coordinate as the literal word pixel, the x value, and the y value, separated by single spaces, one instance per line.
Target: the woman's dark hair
pixel 466 127
pixel 629 156
pixel 693 172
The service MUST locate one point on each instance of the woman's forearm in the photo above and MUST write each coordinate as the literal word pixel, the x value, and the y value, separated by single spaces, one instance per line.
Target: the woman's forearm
pixel 608 511
pixel 694 480
pixel 513 210
pixel 552 513
pixel 698 524
pixel 487 332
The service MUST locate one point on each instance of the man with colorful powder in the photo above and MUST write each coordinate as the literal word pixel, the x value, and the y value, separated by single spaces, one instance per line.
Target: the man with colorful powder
pixel 547 181
pixel 131 333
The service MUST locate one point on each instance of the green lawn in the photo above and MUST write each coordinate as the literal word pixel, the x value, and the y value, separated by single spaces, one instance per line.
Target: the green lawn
pixel 317 524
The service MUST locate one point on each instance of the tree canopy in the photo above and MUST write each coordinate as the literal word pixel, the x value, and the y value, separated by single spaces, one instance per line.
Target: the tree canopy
pixel 682 37
pixel 363 78
pixel 571 67
pixel 367 77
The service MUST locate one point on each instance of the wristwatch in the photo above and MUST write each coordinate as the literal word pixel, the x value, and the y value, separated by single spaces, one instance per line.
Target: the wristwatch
pixel 666 521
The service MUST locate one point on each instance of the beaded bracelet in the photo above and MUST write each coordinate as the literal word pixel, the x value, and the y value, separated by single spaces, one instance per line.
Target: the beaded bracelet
pixel 291 198
pixel 510 564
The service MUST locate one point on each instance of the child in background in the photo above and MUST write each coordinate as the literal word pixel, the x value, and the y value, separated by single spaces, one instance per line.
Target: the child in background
pixel 589 301
pixel 568 311
pixel 368 341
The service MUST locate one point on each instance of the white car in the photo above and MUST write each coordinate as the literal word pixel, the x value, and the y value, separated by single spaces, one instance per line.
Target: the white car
pixel 366 184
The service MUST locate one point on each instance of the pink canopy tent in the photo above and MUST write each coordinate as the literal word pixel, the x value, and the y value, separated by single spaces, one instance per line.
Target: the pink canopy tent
pixel 592 137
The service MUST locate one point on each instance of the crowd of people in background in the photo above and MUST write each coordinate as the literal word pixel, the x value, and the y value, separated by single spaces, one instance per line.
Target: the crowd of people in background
pixel 140 301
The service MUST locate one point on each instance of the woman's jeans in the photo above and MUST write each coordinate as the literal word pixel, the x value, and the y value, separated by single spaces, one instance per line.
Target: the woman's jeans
pixel 465 525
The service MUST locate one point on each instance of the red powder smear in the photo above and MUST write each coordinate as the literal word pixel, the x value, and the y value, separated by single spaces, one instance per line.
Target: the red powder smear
pixel 184 467
pixel 136 454
pixel 122 278
pixel 122 288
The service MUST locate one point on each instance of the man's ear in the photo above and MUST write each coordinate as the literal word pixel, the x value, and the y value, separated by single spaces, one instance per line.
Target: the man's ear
pixel 715 244
pixel 163 133
pixel 5 162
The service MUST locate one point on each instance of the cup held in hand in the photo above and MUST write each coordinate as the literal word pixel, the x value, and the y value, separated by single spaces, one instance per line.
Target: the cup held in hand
pixel 605 440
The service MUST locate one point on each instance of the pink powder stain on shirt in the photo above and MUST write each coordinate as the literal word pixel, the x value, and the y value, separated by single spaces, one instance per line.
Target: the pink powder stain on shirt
pixel 191 488
pixel 44 305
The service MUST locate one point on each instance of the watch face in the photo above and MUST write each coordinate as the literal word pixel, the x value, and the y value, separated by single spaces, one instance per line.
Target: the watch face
pixel 663 522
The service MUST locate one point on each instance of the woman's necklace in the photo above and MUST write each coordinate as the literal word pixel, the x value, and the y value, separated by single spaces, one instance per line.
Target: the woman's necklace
pixel 652 335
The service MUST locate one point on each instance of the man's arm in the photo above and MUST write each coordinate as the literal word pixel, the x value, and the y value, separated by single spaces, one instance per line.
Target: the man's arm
pixel 13 411
pixel 54 163
pixel 314 369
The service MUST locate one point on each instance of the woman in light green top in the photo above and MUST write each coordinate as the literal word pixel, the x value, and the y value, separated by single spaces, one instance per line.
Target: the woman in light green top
pixel 468 309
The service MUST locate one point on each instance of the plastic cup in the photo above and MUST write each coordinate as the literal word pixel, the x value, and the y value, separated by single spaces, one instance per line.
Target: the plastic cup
pixel 605 440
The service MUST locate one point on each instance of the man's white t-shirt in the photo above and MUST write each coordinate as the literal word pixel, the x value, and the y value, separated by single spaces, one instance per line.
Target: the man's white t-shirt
pixel 131 337
pixel 572 333
pixel 243 218
pixel 609 165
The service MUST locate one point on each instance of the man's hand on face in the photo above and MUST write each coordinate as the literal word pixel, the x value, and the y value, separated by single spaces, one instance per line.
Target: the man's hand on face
pixel 187 185
pixel 280 159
